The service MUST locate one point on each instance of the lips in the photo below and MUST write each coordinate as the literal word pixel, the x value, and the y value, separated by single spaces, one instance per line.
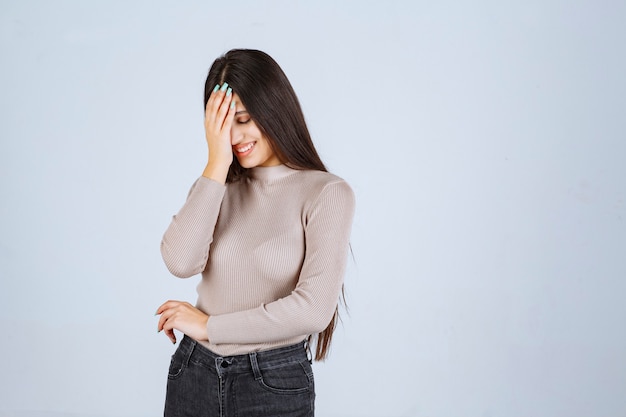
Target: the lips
pixel 245 148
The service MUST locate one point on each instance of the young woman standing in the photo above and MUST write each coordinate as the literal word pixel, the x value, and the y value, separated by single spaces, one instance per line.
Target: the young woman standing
pixel 268 228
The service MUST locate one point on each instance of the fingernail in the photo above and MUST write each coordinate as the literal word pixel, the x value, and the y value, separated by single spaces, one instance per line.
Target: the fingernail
pixel 229 91
pixel 217 87
pixel 232 104
pixel 224 87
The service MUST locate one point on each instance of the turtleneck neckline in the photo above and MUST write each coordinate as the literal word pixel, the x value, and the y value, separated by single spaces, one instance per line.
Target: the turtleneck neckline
pixel 272 173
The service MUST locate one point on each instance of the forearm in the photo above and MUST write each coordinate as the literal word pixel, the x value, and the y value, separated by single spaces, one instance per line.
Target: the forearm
pixel 306 311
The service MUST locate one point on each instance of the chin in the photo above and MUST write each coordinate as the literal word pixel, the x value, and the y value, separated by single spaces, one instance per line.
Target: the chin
pixel 246 164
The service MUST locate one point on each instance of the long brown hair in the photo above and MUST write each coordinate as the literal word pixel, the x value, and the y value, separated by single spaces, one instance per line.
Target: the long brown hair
pixel 272 104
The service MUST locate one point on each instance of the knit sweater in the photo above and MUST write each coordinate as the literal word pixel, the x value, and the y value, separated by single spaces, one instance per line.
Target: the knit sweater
pixel 272 250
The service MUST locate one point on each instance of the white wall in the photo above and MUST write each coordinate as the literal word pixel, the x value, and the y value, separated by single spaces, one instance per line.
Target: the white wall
pixel 484 140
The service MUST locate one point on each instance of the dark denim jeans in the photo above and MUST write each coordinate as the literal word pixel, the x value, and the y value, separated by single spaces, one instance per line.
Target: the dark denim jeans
pixel 273 383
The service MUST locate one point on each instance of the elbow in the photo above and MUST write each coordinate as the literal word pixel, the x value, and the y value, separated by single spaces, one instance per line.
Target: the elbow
pixel 319 321
pixel 179 266
pixel 181 271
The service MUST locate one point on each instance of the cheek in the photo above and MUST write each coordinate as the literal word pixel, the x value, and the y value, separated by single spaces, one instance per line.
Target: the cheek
pixel 246 130
pixel 265 145
pixel 237 131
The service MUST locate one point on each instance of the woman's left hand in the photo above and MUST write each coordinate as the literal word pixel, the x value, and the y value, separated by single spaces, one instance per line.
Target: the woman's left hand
pixel 182 316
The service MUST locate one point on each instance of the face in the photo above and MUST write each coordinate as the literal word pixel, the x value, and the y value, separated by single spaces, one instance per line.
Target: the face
pixel 250 147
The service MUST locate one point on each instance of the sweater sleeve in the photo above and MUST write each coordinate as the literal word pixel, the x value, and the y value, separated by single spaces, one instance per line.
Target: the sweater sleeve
pixel 185 244
pixel 311 305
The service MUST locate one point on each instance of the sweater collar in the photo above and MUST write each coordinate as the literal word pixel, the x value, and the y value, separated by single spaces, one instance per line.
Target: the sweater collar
pixel 271 173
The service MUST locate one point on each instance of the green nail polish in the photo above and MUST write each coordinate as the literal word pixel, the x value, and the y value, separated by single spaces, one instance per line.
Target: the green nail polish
pixel 217 87
pixel 229 91
pixel 232 104
pixel 224 87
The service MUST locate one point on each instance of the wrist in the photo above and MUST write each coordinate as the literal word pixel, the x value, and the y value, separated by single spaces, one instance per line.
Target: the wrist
pixel 216 171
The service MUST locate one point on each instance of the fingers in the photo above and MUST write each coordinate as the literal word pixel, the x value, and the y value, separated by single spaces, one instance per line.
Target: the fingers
pixel 219 116
pixel 166 305
pixel 167 310
pixel 170 334
pixel 224 108
pixel 218 106
pixel 182 316
pixel 215 99
pixel 230 116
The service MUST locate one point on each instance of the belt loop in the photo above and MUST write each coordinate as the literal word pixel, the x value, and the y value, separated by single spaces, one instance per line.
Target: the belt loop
pixel 255 366
pixel 192 346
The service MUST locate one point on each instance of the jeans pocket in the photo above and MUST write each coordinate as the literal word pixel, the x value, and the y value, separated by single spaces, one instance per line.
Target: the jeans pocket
pixel 289 378
pixel 178 364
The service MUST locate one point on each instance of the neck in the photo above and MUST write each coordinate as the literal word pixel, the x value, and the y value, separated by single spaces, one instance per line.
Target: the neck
pixel 271 173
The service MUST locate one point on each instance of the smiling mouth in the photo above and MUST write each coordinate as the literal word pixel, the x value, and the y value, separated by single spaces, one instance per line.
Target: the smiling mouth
pixel 245 148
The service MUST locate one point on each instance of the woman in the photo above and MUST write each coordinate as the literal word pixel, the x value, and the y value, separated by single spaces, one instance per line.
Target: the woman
pixel 268 227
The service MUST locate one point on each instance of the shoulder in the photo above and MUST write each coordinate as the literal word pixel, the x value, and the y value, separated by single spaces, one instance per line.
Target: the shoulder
pixel 325 189
pixel 318 182
pixel 320 178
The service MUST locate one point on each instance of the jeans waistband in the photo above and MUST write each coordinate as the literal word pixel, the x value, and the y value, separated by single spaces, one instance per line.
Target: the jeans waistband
pixel 266 359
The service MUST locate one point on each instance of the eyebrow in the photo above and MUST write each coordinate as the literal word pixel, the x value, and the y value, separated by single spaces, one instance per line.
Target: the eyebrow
pixel 241 112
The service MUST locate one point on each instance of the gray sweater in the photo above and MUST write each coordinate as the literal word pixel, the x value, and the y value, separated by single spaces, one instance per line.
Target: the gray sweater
pixel 272 251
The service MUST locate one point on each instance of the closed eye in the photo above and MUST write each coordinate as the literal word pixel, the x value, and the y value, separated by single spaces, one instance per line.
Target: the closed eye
pixel 242 117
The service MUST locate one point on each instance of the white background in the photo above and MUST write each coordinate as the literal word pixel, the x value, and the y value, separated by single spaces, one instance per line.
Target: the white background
pixel 485 142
